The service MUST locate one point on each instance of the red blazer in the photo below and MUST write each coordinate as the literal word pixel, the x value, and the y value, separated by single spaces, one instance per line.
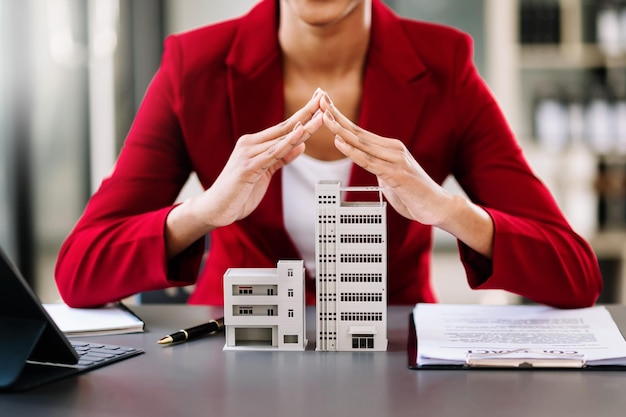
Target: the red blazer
pixel 420 86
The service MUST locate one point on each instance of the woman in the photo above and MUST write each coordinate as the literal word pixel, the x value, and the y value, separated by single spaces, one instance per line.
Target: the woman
pixel 233 103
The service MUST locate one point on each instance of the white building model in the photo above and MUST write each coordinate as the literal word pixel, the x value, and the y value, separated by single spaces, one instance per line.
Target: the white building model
pixel 264 307
pixel 351 270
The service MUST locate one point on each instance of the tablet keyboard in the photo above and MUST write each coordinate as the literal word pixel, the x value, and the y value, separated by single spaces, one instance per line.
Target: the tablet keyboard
pixel 92 354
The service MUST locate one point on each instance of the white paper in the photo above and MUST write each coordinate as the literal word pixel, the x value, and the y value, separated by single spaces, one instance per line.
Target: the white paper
pixel 447 334
pixel 110 319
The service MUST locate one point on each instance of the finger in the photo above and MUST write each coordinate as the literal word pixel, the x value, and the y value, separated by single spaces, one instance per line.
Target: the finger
pixel 266 142
pixel 266 148
pixel 300 134
pixel 279 149
pixel 304 115
pixel 312 126
pixel 339 124
pixel 362 146
pixel 327 105
pixel 364 159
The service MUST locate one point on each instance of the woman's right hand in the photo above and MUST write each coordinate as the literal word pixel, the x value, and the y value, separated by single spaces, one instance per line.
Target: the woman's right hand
pixel 241 185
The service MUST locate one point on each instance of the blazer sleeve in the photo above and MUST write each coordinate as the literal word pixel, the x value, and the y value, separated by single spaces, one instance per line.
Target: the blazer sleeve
pixel 536 253
pixel 117 247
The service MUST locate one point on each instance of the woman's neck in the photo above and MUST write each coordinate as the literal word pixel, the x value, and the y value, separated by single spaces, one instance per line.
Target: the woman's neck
pixel 325 49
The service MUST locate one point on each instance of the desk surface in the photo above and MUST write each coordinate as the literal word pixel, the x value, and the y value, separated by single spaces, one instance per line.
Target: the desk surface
pixel 198 378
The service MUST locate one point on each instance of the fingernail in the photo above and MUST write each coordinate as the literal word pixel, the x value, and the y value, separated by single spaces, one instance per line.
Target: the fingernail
pixel 317 113
pixel 329 115
pixel 328 100
pixel 296 126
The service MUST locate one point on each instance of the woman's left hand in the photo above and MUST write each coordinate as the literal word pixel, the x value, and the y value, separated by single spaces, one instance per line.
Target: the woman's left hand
pixel 406 186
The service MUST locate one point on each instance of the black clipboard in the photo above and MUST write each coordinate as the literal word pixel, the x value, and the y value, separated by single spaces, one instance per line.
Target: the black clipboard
pixel 485 363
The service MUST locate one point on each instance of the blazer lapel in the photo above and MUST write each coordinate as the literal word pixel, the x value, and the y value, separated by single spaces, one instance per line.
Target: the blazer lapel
pixel 257 102
pixel 255 72
pixel 394 75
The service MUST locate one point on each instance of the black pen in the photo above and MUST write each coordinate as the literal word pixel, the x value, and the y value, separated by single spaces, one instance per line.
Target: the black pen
pixel 183 335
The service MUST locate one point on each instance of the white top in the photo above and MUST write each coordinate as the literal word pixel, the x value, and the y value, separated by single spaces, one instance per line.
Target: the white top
pixel 299 179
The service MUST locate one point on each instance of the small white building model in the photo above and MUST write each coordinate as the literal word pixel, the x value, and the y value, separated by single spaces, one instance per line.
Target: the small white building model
pixel 351 270
pixel 264 307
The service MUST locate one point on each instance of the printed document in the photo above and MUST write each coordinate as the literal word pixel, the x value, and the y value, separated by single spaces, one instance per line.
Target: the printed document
pixel 508 334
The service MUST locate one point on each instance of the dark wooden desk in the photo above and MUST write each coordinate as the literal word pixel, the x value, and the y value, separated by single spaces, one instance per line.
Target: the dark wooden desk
pixel 199 379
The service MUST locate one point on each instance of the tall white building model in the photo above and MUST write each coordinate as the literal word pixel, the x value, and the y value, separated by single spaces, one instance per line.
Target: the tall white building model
pixel 264 307
pixel 351 270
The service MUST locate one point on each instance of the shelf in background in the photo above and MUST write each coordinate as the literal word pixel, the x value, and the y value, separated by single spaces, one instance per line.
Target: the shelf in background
pixel 566 56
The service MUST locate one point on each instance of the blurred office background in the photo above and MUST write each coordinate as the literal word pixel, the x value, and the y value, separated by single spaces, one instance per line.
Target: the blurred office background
pixel 73 73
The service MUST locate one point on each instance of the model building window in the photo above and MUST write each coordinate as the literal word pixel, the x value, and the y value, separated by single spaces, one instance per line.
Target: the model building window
pixel 290 272
pixel 245 311
pixel 362 341
pixel 290 292
pixel 245 290
pixel 290 312
pixel 361 316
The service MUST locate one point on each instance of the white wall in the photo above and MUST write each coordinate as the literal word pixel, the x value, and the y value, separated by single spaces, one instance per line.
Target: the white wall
pixel 187 14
